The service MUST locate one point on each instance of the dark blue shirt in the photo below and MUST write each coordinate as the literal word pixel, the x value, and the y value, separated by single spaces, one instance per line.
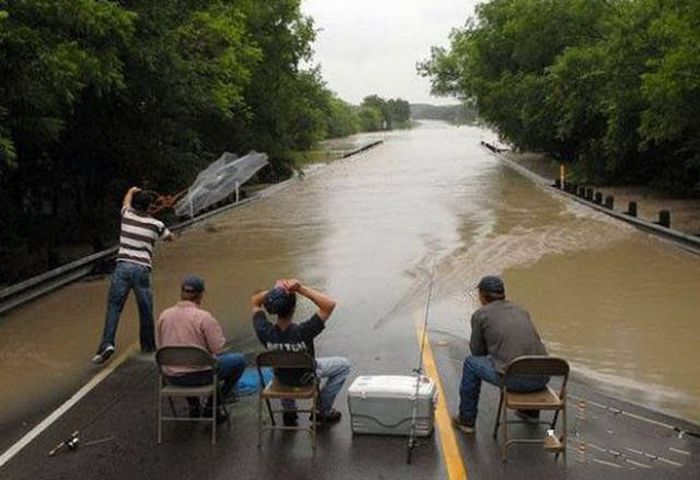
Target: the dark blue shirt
pixel 297 337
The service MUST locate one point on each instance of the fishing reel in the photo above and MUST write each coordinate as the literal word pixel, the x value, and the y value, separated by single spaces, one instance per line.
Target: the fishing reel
pixel 71 443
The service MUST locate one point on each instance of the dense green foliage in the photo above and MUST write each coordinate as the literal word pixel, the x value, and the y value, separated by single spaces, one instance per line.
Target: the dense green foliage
pixel 610 85
pixel 460 114
pixel 98 95
pixel 376 113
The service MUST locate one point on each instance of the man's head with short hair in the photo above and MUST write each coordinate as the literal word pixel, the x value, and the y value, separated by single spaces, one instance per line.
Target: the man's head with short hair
pixel 141 201
pixel 192 288
pixel 491 288
pixel 280 302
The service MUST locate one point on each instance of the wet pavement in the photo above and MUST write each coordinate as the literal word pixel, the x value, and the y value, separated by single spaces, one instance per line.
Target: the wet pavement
pixel 370 230
pixel 121 411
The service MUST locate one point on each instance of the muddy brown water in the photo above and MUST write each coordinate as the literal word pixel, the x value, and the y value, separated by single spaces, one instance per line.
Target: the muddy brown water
pixel 620 305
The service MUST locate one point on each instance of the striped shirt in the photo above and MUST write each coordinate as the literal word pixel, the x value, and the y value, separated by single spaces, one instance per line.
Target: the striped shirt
pixel 138 236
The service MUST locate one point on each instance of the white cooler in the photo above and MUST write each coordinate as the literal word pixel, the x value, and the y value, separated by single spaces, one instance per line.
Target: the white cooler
pixel 383 405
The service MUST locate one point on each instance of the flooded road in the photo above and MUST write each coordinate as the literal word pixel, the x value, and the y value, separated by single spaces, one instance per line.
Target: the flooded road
pixel 622 306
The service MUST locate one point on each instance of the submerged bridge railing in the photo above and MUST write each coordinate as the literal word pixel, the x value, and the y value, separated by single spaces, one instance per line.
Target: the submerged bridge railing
pixel 596 201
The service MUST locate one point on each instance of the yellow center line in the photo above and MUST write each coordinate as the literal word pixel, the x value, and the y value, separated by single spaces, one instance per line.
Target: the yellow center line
pixel 456 469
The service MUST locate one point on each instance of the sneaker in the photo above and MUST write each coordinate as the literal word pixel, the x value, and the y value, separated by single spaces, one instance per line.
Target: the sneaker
pixel 331 416
pixel 464 426
pixel 528 415
pixel 221 414
pixel 552 443
pixel 103 354
pixel 290 419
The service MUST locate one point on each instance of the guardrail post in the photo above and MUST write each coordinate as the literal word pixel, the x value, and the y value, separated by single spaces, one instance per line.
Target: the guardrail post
pixel 589 194
pixel 557 183
pixel 610 202
pixel 581 192
pixel 598 198
pixel 632 209
pixel 665 218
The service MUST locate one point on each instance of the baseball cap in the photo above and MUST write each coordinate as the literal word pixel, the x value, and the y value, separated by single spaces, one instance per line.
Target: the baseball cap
pixel 493 284
pixel 279 301
pixel 193 282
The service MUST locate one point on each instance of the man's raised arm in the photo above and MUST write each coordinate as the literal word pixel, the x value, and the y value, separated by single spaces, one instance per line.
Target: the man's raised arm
pixel 325 304
pixel 257 300
pixel 126 203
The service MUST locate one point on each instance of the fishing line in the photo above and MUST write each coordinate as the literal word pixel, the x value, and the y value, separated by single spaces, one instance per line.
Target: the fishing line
pixel 419 372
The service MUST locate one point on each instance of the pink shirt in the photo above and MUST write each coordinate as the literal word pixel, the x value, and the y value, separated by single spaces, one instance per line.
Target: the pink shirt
pixel 187 324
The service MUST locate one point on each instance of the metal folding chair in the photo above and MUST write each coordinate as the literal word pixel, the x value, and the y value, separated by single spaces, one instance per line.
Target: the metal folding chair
pixel 277 390
pixel 546 399
pixel 190 356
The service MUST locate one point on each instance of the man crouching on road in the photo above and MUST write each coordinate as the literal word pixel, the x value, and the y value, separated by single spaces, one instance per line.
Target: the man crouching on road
pixel 501 331
pixel 188 324
pixel 286 335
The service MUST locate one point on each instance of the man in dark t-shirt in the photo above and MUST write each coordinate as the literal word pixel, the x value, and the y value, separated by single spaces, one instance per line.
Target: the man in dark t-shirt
pixel 285 335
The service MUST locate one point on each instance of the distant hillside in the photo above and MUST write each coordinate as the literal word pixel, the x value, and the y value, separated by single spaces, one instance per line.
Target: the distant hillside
pixel 458 114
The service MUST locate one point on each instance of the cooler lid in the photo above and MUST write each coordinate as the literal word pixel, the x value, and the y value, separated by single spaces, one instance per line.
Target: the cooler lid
pixel 391 386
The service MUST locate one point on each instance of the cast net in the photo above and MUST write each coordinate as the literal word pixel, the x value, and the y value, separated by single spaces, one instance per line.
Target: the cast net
pixel 219 181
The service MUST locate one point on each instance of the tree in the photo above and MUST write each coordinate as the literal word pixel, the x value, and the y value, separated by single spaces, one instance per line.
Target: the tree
pixel 371 118
pixel 610 85
pixel 342 119
pixel 399 112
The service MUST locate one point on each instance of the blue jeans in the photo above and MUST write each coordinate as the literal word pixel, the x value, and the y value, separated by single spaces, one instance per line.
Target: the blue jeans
pixel 335 371
pixel 130 276
pixel 475 370
pixel 230 369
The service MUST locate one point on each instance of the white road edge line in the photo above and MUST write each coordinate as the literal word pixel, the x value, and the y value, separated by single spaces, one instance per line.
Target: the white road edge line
pixel 67 405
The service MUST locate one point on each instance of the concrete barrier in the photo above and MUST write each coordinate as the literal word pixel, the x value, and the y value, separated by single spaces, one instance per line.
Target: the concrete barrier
pixel 610 202
pixel 362 149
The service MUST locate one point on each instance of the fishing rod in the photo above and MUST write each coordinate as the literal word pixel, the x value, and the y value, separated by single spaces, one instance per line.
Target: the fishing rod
pixel 616 411
pixel 419 374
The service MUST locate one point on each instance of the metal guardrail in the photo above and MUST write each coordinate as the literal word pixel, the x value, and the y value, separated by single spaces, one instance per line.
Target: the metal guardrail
pixel 20 293
pixel 23 292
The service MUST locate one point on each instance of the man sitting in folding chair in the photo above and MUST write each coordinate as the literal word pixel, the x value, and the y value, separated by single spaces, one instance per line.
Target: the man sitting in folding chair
pixel 285 335
pixel 188 324
pixel 501 331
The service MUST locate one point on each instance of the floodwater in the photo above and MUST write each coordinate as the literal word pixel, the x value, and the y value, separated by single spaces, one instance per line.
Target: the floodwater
pixel 370 229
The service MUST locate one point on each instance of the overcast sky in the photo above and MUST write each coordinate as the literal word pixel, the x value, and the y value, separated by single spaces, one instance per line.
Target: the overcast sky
pixel 372 46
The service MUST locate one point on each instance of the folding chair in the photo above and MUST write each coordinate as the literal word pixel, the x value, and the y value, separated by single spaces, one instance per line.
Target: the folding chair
pixel 546 399
pixel 277 390
pixel 190 356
